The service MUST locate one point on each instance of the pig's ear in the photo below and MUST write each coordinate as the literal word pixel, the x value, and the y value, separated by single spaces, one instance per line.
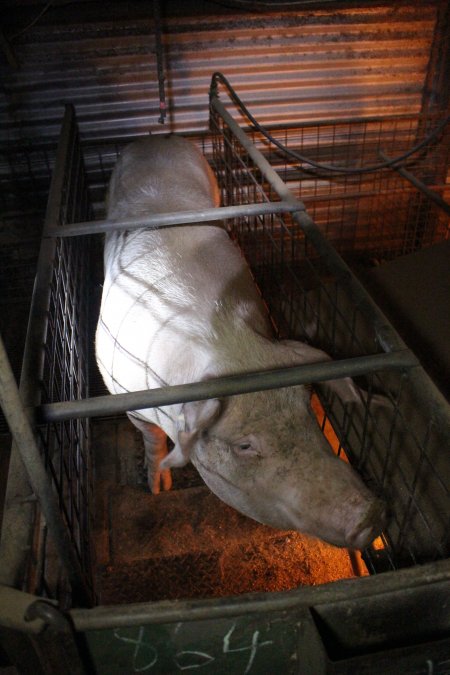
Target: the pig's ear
pixel 198 416
pixel 176 458
pixel 345 388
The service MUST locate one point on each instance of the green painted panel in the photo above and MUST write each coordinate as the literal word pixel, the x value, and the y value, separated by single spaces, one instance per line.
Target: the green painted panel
pixel 256 645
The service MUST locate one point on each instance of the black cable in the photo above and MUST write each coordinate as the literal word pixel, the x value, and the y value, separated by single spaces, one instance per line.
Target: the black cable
pixel 325 167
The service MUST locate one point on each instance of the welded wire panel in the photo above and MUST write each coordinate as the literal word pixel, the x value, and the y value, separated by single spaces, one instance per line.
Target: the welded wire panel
pixel 64 376
pixel 389 437
pixel 378 213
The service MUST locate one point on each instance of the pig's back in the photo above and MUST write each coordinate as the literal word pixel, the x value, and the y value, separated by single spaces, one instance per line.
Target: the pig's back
pixel 167 291
pixel 149 178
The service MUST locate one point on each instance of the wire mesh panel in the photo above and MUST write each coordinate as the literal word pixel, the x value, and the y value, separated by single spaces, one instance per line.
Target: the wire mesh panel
pixel 393 440
pixel 55 369
pixel 377 213
pixel 66 444
pixel 65 364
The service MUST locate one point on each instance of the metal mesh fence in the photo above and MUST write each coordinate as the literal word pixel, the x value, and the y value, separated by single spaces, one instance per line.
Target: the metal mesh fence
pixel 56 369
pixel 391 440
pixel 376 214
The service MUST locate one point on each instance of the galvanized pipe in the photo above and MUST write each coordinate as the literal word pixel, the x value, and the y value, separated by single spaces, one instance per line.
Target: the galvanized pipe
pixel 226 386
pixel 25 442
pixel 445 206
pixel 163 220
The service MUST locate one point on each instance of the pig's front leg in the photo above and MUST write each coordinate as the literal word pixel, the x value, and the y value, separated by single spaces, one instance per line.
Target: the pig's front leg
pixel 155 448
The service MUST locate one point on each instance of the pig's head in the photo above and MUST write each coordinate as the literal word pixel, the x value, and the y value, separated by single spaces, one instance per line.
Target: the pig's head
pixel 265 455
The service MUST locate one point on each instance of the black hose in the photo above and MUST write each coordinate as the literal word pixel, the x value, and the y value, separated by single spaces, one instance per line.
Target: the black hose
pixel 395 161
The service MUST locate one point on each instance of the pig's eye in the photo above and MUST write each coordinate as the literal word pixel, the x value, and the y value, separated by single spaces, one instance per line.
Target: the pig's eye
pixel 246 447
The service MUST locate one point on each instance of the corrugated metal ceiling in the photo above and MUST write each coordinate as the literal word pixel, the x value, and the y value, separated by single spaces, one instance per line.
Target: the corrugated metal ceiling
pixel 309 64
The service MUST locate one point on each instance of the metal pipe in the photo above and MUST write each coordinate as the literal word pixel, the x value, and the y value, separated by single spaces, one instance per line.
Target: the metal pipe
pixel 163 220
pixel 226 386
pixel 445 206
pixel 25 442
pixel 14 605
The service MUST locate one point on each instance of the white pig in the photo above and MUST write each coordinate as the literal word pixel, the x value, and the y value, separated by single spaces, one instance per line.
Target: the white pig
pixel 179 305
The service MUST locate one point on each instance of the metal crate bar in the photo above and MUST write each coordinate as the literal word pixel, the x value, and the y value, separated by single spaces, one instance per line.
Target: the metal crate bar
pixel 226 386
pixel 163 220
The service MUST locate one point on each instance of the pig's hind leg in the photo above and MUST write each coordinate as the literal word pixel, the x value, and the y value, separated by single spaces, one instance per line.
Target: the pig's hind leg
pixel 155 449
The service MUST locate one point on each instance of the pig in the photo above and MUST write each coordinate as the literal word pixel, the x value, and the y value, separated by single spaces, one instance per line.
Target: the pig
pixel 180 305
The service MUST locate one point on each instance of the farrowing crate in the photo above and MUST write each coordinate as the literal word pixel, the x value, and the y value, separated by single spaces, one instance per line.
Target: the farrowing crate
pixel 398 447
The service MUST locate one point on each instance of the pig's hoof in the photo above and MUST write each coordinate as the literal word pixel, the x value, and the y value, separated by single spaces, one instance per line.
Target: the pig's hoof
pixel 159 480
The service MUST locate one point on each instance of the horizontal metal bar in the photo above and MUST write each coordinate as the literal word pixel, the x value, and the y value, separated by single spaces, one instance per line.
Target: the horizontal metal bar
pixel 225 386
pixel 162 220
pixel 437 199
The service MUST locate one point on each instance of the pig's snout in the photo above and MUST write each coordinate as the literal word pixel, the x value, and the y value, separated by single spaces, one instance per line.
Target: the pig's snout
pixel 369 526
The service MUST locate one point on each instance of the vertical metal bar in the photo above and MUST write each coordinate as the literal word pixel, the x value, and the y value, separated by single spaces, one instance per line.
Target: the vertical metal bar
pixel 159 61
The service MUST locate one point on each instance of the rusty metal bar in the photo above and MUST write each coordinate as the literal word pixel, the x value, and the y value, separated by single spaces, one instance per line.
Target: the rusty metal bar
pixel 163 220
pixel 227 386
pixel 437 199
